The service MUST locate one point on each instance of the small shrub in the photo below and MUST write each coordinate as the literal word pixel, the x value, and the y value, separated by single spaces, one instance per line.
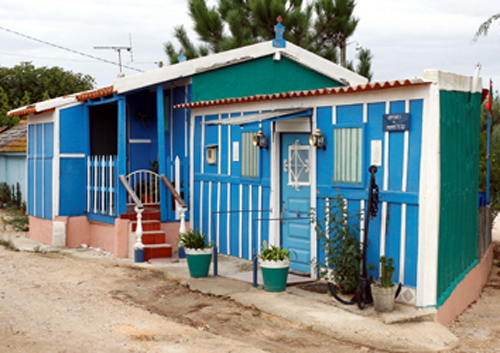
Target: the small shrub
pixel 338 231
pixel 17 220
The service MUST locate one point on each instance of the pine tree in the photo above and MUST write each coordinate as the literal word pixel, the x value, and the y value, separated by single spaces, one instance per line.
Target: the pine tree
pixel 236 23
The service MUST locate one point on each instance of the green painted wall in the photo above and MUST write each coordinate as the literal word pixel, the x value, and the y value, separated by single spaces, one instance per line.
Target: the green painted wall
pixel 259 76
pixel 458 225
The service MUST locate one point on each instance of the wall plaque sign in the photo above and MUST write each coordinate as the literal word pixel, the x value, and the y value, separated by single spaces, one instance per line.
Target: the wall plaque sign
pixel 396 122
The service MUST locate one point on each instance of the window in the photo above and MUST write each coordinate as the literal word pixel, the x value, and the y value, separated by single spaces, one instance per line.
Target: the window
pixel 249 156
pixel 347 155
pixel 298 166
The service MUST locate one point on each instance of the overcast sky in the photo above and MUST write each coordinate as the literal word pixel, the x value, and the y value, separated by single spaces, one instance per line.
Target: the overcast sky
pixel 405 36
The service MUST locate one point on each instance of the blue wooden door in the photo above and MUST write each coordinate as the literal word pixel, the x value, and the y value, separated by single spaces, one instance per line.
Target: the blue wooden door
pixel 295 199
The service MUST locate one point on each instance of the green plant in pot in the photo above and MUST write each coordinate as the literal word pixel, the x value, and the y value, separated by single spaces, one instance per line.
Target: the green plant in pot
pixel 384 293
pixel 198 252
pixel 274 263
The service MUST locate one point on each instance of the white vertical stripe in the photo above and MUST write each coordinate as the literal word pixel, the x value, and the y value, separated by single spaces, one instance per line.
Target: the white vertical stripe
pixel 250 223
pixel 219 149
pixel 95 184
pixel 334 115
pixel 171 122
pixel 191 172
pixel 402 250
pixel 362 222
pixel 365 112
pixel 259 231
pixel 229 151
pixel 404 183
pixel 111 200
pixel 88 183
pixel 56 166
pixel 43 171
pixel 103 183
pixel 240 225
pixel 202 168
pixel 313 235
pixel 186 87
pixel 218 214
pixel 228 231
pixel 210 211
pixel 383 228
pixel 201 205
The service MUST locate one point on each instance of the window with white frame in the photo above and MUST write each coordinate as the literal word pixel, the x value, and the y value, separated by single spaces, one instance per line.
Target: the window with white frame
pixel 249 156
pixel 348 156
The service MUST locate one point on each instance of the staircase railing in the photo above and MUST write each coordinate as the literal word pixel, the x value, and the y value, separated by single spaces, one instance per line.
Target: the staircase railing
pixel 179 201
pixel 146 185
pixel 138 208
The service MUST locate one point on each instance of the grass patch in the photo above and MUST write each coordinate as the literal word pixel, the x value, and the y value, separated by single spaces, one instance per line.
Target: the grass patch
pixel 16 219
pixel 8 244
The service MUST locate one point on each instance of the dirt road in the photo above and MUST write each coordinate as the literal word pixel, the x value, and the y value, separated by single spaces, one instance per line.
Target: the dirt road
pixel 69 303
pixel 63 303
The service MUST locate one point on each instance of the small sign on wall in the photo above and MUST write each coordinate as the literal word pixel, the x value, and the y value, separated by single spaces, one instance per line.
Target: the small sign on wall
pixel 396 122
pixel 236 151
pixel 376 155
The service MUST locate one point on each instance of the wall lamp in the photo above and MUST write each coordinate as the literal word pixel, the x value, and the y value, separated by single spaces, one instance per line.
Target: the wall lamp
pixel 317 140
pixel 259 140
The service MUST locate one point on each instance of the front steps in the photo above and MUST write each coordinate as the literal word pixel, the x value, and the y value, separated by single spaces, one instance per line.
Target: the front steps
pixel 153 237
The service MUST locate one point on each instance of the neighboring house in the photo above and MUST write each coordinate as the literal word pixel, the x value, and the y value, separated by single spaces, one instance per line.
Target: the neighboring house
pixel 13 156
pixel 205 113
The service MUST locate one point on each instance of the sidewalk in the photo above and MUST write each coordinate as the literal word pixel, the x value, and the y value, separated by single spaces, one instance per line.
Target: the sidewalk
pixel 406 329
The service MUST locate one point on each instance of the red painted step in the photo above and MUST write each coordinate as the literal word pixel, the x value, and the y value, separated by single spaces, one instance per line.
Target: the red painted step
pixel 157 251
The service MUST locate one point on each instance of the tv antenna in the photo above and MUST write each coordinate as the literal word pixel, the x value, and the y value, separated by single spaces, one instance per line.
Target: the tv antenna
pixel 119 49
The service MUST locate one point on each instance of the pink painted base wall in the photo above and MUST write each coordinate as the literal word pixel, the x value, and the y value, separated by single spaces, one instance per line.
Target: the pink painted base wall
pixel 466 291
pixel 41 230
pixel 172 233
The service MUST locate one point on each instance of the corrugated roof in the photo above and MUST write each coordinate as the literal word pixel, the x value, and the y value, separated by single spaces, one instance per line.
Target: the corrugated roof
pixel 14 139
pixel 308 93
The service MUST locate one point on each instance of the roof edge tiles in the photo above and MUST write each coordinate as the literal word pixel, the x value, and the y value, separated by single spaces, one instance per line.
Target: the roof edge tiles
pixel 98 93
pixel 51 104
pixel 315 92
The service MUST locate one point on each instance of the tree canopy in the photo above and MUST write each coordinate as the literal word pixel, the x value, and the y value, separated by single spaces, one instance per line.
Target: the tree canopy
pixel 485 26
pixel 25 84
pixel 322 27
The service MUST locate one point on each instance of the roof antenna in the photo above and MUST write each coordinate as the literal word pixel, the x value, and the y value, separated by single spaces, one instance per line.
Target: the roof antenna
pixel 118 49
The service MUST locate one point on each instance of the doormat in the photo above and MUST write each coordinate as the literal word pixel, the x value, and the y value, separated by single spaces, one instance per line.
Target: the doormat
pixel 316 287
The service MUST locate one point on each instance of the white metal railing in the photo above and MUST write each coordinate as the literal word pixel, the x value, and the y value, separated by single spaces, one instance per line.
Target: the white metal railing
pixel 146 185
pixel 101 190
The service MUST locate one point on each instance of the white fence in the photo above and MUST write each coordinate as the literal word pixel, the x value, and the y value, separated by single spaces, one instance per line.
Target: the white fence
pixel 101 185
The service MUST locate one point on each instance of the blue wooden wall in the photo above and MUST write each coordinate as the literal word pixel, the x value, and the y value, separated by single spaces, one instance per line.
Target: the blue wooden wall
pixel 40 159
pixel 220 192
pixel 74 144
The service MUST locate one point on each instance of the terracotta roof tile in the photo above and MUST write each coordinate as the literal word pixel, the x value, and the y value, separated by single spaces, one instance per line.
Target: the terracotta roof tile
pixel 98 93
pixel 315 92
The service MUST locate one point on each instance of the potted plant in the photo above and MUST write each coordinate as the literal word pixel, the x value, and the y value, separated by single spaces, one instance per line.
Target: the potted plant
pixel 274 263
pixel 384 293
pixel 198 252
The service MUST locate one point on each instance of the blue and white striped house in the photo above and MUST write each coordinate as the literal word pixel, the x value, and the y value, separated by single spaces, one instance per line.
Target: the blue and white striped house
pixel 208 113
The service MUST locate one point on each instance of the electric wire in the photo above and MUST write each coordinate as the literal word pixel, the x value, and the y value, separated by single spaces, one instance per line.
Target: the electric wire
pixel 68 49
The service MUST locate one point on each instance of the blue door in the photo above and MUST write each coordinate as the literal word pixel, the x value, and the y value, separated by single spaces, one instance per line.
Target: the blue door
pixel 295 199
